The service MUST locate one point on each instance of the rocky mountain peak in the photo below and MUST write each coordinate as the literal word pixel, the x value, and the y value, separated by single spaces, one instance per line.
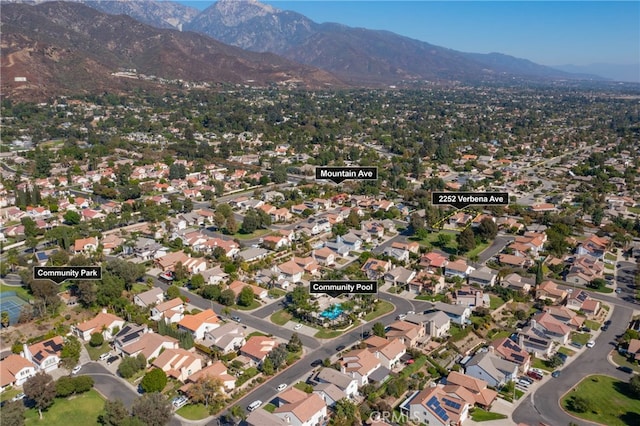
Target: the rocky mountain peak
pixel 235 12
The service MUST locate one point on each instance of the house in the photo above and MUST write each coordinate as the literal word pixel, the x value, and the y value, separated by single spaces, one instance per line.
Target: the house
pixel 329 393
pixel 258 292
pixel 584 270
pixel 324 256
pixel 263 417
pixel 388 351
pixel 435 407
pixel 360 364
pixel 104 323
pixel 308 264
pixel 399 276
pixel 535 342
pixel 435 323
pixel 374 268
pixel 401 255
pixel 408 333
pixel 252 254
pixel 352 241
pixel 591 307
pixel 515 261
pixel 458 268
pixel 550 327
pixel 149 297
pixel 482 395
pixel 345 382
pixel 150 345
pixel 427 281
pixel 509 350
pixel 469 296
pixel 171 311
pixel 548 290
pixel 227 338
pixel 290 271
pixel 275 242
pixel 200 323
pixel 410 246
pixel 633 350
pixel 193 265
pixel 15 370
pixel 85 245
pixel 130 333
pixel 593 246
pixel 257 348
pixel 458 314
pixel 216 370
pixel 483 276
pixel 517 282
pixel 491 368
pixel 300 408
pixel 433 261
pixel 575 299
pixel 45 355
pixel 214 275
pixel 179 363
pixel 566 316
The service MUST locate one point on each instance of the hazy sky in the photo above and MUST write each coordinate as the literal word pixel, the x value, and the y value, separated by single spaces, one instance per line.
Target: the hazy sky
pixel 546 32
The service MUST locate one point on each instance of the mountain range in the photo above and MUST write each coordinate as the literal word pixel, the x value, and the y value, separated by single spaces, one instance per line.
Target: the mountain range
pixel 73 47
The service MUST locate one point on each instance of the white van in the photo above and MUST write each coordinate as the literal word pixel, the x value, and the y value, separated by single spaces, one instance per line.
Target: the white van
pixel 254 405
pixel 104 357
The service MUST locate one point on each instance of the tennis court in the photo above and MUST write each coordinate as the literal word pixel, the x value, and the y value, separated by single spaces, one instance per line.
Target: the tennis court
pixel 12 304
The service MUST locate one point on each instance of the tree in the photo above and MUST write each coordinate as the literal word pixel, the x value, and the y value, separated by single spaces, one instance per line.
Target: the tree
pixel 211 292
pixel 4 319
pixel 487 229
pixel 416 222
pixel 245 298
pixel 580 404
pixel 227 297
pixel 154 381
pixel 115 413
pixel 65 387
pixel 172 292
pixel 97 339
pixel 87 292
pixel 41 389
pixel 378 329
pixel 70 354
pixel 634 385
pixel 295 344
pixel 555 361
pixel 346 414
pixel 130 366
pixel 207 390
pixel 153 409
pixel 466 240
pixel 539 273
pixel 72 217
pixel 250 222
pixel 267 367
pixel 278 356
pixel 197 281
pixel 13 413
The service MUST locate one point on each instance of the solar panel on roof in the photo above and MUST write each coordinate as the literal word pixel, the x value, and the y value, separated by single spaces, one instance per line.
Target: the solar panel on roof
pixel 452 404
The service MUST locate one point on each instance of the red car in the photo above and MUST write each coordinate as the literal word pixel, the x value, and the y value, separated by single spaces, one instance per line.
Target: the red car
pixel 534 375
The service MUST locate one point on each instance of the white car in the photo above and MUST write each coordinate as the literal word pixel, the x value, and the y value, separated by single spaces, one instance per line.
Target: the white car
pixel 254 405
pixel 104 357
pixel 18 397
pixel 76 369
pixel 281 387
pixel 591 344
pixel 297 327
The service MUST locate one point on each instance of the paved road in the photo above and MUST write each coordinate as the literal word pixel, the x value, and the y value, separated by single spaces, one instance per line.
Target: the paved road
pixel 500 242
pixel 542 405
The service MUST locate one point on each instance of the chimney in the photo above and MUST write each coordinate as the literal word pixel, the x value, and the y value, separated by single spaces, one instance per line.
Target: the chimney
pixel 26 353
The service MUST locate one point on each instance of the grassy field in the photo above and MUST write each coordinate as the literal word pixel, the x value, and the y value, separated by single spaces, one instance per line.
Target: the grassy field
pixel 499 335
pixel 623 362
pixel 257 233
pixel 94 353
pixel 281 317
pixel 610 402
pixel 495 302
pixel 193 412
pixel 480 415
pixel 254 305
pixel 383 308
pixel 77 410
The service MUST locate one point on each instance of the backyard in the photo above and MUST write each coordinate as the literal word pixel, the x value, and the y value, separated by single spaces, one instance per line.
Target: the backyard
pixel 608 401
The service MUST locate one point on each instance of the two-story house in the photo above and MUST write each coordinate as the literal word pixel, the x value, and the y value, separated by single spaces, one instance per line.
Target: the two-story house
pixel 45 355
pixel 104 323
pixel 171 311
pixel 15 370
pixel 200 323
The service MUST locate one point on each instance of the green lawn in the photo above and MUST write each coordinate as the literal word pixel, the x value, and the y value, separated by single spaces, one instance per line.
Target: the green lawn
pixel 246 375
pixel 276 293
pixel 540 363
pixel 9 393
pixel 480 415
pixel 581 338
pixel 432 298
pixel 255 333
pixel 610 256
pixel 476 250
pixel 94 353
pixel 281 317
pixel 269 407
pixel 594 325
pixel 622 361
pixel 139 288
pixel 499 334
pixel 566 351
pixel 193 412
pixel 412 368
pixel 609 401
pixel 254 305
pixel 458 333
pixel 327 334
pixel 77 410
pixel 635 210
pixel 257 233
pixel 383 308
pixel 495 302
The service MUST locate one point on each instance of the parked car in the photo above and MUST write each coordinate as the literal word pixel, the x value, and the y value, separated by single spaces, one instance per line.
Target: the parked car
pixel 526 379
pixel 523 383
pixel 297 327
pixel 254 405
pixel 76 369
pixel 537 370
pixel 104 357
pixel 556 374
pixel 534 375
pixel 604 328
pixel 341 348
pixel 111 360
pixel 179 401
pixel 625 369
pixel 236 318
pixel 618 290
pixel 18 397
pixel 591 343
pixel 607 322
pixel 316 363
pixel 281 387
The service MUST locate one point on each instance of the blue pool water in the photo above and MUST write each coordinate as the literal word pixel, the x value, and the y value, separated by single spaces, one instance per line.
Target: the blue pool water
pixel 332 312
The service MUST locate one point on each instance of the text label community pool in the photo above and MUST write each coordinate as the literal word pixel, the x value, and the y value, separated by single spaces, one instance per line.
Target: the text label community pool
pixel 336 288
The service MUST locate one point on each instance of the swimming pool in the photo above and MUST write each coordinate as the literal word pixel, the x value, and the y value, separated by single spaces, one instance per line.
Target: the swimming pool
pixel 332 312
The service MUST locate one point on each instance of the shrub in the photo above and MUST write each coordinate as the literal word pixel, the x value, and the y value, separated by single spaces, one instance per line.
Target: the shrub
pixel 97 339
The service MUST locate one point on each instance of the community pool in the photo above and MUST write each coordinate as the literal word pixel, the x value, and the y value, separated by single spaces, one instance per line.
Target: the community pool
pixel 332 312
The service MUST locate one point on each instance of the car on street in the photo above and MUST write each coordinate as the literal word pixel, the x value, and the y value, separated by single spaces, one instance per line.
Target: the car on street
pixel 236 318
pixel 281 387
pixel 618 290
pixel 556 374
pixel 179 401
pixel 76 369
pixel 626 369
pixel 254 405
pixel 297 327
pixel 18 397
pixel 591 343
pixel 316 363
pixel 341 348
pixel 604 328
pixel 607 322
pixel 112 359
